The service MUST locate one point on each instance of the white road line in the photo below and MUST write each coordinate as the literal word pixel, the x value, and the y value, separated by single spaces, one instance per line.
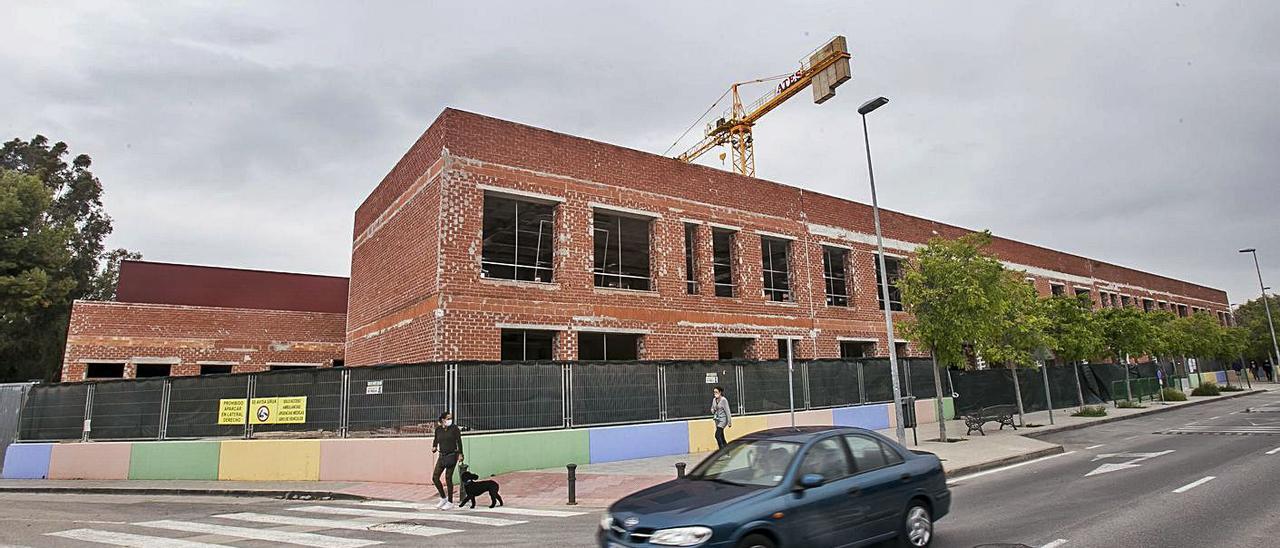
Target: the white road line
pixel 354 525
pixel 1010 467
pixel 495 510
pixel 1194 484
pixel 1095 446
pixel 1215 418
pixel 1055 544
pixel 1274 451
pixel 451 515
pixel 125 539
pixel 273 535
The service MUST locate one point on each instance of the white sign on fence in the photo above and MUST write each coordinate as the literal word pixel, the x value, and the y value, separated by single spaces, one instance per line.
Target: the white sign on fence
pixel 712 378
pixel 373 387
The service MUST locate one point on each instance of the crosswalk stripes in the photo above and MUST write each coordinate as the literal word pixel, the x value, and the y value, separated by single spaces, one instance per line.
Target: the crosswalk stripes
pixel 354 525
pixel 1225 429
pixel 426 516
pixel 273 535
pixel 125 539
pixel 495 510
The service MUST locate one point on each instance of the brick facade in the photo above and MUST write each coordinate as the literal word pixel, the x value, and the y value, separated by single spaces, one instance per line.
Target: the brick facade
pixel 417 293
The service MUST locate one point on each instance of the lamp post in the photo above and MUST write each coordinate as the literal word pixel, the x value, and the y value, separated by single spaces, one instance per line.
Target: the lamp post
pixel 1275 360
pixel 865 109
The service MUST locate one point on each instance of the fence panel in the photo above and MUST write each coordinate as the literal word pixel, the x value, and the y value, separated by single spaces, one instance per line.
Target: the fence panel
pixel 399 400
pixel 194 403
pixel 510 396
pixel 53 412
pixel 877 381
pixel 127 409
pixel 606 393
pixel 982 388
pixel 689 385
pixel 833 383
pixel 1062 386
pixel 12 397
pixel 321 387
pixel 765 387
pixel 921 378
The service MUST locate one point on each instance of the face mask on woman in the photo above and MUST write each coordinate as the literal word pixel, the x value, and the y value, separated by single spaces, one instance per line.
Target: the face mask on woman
pixel 448 423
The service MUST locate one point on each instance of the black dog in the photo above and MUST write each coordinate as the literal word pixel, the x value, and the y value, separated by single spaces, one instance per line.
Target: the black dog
pixel 472 489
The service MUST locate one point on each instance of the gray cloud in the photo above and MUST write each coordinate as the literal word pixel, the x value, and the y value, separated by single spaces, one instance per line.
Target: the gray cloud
pixel 246 134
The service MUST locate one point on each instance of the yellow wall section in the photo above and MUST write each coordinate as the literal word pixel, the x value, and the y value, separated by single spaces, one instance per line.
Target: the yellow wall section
pixel 702 432
pixel 269 460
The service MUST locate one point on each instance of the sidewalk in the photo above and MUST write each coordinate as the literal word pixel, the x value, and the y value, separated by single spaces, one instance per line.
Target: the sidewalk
pixel 598 485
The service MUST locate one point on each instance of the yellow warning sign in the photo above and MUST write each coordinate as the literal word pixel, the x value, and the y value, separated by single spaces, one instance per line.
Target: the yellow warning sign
pixel 231 411
pixel 263 410
pixel 292 410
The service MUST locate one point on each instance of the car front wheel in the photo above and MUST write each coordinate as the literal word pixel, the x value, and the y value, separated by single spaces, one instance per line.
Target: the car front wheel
pixel 917 526
pixel 756 541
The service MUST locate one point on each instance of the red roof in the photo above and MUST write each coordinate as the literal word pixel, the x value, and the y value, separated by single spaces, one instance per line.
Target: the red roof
pixel 191 285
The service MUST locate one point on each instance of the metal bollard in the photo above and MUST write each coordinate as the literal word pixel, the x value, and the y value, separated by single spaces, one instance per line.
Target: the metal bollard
pixel 573 479
pixel 680 470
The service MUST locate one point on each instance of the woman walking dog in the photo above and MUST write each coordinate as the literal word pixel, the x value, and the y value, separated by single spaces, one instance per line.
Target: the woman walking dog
pixel 448 444
pixel 720 411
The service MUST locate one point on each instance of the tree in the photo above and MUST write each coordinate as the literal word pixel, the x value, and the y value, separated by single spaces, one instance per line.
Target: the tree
pixel 1018 330
pixel 950 290
pixel 1125 332
pixel 71 209
pixel 1201 336
pixel 1073 331
pixel 1251 317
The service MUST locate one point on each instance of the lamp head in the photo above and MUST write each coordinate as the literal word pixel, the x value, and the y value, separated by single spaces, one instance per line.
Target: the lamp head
pixel 1249 250
pixel 871 105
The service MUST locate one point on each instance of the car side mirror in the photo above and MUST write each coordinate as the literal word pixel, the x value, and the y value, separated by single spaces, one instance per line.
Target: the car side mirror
pixel 809 481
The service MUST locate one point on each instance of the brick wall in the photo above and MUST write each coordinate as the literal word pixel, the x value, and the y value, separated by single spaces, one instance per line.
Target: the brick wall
pixel 251 339
pixel 417 293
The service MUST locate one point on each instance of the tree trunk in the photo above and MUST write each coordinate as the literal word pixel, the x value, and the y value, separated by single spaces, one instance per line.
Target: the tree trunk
pixel 1079 389
pixel 1128 390
pixel 1017 394
pixel 937 400
pixel 1048 397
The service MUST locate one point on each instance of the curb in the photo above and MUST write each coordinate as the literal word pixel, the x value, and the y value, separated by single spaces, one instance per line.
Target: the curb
pixel 983 466
pixel 278 494
pixel 1067 428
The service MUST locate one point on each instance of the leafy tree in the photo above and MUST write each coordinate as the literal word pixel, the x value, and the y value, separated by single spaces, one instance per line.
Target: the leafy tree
pixel 1125 332
pixel 1018 330
pixel 1252 318
pixel 68 215
pixel 1074 332
pixel 950 288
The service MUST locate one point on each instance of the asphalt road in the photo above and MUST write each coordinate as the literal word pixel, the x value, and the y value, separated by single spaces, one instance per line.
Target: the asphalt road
pixel 1151 489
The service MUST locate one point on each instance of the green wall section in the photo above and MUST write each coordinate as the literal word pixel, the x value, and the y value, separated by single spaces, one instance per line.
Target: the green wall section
pixel 501 453
pixel 187 460
pixel 949 408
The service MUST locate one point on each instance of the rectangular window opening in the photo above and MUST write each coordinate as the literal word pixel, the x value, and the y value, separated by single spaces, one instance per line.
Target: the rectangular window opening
pixel 777 275
pixel 782 349
pixel 690 258
pixel 1057 290
pixel 729 348
pixel 722 261
pixel 857 349
pixel 104 371
pixel 522 345
pixel 517 239
pixel 894 266
pixel 834 275
pixel 1148 305
pixel 621 251
pixel 1125 300
pixel 291 366
pixel 215 368
pixel 594 346
pixel 148 370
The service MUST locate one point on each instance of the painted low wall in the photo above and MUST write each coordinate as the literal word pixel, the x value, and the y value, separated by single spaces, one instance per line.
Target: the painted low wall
pixel 409 460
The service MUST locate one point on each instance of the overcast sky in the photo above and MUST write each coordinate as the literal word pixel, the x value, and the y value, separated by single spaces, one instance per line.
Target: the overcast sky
pixel 246 134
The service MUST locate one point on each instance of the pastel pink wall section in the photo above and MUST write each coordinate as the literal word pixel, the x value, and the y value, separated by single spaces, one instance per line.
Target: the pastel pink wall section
pixel 91 461
pixel 377 460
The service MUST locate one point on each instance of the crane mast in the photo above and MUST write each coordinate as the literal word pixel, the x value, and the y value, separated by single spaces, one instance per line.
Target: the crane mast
pixel 824 69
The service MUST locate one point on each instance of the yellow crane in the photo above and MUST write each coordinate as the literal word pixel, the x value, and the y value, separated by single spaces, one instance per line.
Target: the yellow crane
pixel 824 69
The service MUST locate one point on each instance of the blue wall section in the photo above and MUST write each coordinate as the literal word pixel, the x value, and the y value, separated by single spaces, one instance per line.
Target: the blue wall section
pixel 1222 377
pixel 613 443
pixel 871 417
pixel 27 461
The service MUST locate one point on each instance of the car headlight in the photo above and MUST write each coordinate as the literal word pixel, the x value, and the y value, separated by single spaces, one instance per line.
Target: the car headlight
pixel 606 522
pixel 681 536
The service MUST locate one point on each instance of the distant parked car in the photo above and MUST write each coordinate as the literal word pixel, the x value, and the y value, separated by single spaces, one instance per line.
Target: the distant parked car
pixel 808 487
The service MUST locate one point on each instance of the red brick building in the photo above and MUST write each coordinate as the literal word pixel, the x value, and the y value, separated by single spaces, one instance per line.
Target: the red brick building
pixel 491 239
pixel 190 320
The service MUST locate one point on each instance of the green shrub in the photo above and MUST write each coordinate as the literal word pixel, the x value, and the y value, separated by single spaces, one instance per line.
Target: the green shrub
pixel 1206 389
pixel 1231 388
pixel 1091 411
pixel 1173 394
pixel 1129 404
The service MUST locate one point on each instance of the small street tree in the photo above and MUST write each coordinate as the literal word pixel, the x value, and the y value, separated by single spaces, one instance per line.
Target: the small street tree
pixel 1019 328
pixel 1201 336
pixel 1125 332
pixel 1073 331
pixel 950 289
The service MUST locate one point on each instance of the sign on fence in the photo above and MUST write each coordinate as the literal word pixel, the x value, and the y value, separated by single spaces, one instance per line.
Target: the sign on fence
pixel 286 410
pixel 373 387
pixel 712 378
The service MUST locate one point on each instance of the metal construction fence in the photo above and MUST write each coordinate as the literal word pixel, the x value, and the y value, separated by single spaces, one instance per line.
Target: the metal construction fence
pixel 404 400
pixel 12 396
pixel 987 387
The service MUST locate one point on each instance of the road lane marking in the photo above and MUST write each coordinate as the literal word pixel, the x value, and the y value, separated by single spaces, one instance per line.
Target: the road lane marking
pixel 1095 446
pixel 1274 451
pixel 494 510
pixel 1055 544
pixel 125 539
pixel 1194 484
pixel 1010 467
pixel 438 516
pixel 354 525
pixel 1215 418
pixel 1133 463
pixel 273 535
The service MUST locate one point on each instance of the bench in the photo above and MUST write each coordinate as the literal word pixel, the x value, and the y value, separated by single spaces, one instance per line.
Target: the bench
pixel 1002 414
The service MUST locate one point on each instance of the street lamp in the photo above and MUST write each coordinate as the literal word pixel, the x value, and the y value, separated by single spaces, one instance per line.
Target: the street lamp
pixel 1275 362
pixel 865 109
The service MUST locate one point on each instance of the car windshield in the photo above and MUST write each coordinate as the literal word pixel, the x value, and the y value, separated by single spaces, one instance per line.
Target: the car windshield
pixel 760 463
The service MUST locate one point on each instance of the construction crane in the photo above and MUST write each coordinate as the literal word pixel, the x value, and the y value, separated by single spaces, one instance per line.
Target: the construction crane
pixel 824 69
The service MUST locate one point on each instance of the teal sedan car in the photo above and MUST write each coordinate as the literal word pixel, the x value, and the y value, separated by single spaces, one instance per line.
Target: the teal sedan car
pixel 812 487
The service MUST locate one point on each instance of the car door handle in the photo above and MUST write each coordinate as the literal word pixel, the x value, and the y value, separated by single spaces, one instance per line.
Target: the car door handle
pixel 855 491
pixel 904 478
